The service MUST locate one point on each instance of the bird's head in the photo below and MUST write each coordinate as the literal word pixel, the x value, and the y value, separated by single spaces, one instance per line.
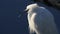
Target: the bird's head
pixel 31 7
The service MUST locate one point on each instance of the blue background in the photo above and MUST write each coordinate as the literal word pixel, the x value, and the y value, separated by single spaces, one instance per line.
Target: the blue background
pixel 10 23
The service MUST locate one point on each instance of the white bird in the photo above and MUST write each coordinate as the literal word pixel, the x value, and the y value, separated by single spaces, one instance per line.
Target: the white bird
pixel 40 20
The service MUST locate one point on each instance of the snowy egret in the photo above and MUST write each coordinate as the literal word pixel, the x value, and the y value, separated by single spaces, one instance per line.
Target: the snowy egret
pixel 41 20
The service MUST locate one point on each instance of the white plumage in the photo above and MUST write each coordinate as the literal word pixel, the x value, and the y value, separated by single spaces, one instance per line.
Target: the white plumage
pixel 40 20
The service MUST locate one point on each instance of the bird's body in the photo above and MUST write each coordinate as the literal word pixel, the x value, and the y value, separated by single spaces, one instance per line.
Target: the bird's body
pixel 40 20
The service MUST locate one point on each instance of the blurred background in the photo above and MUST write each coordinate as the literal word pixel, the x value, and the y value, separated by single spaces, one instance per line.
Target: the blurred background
pixel 10 22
